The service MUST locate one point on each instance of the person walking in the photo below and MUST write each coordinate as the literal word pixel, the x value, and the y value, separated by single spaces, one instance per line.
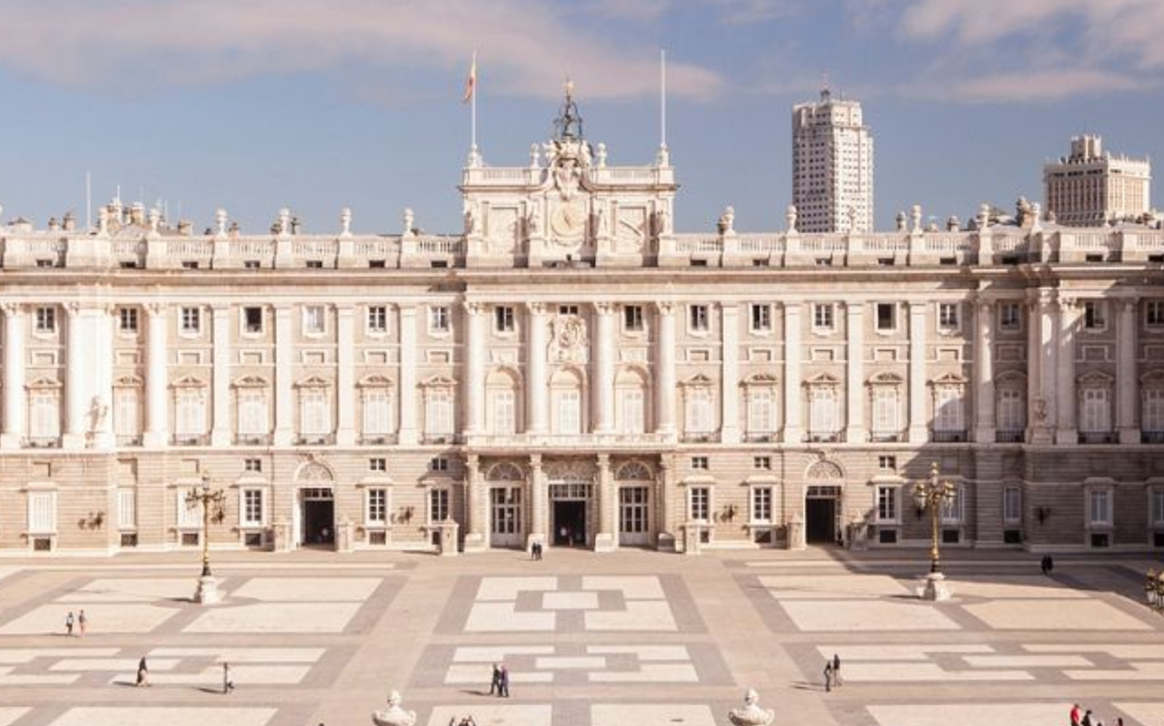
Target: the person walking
pixel 69 620
pixel 828 675
pixel 82 621
pixel 227 683
pixel 495 683
pixel 836 670
pixel 504 682
pixel 1075 715
pixel 1086 719
pixel 143 673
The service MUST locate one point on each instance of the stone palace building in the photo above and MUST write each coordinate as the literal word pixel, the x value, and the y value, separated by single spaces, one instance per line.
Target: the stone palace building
pixel 572 370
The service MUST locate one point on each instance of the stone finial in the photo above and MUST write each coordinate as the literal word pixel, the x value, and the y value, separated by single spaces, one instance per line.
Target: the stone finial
pixel 751 714
pixel 103 220
pixel 137 214
pixel 790 218
pixel 284 224
pixel 474 159
pixel 1036 216
pixel 663 158
pixel 70 222
pixel 535 156
pixel 346 222
pixel 54 225
pixel 915 214
pixel 1 211
pixel 220 220
pixel 983 216
pixel 409 221
pixel 155 219
pixel 952 224
pixel 901 221
pixel 600 155
pixel 727 221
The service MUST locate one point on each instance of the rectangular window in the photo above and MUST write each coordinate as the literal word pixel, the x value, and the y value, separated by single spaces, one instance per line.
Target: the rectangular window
pixel 503 319
pixel 189 513
pixel 42 512
pixel 634 415
pixel 438 319
pixel 951 509
pixel 1100 507
pixel 377 412
pixel 377 319
pixel 190 412
pixel 700 499
pixel 887 463
pixel 1095 415
pixel 438 463
pixel 190 320
pixel 253 466
pixel 126 509
pixel 886 317
pixel 1012 412
pixel 569 411
pixel 1152 417
pixel 314 411
pixel 948 316
pixel 252 320
pixel 699 414
pixel 763 463
pixel 314 320
pixel 438 505
pixel 632 318
pixel 377 506
pixel 948 410
pixel 46 319
pixel 887 504
pixel 822 316
pixel 44 414
pixel 1009 316
pixel 823 411
pixel 504 411
pixel 252 514
pixel 252 411
pixel 761 411
pixel 698 317
pixel 438 414
pixel 127 319
pixel 378 465
pixel 1158 507
pixel 761 317
pixel 1094 315
pixel 1154 313
pixel 885 412
pixel 761 504
pixel 699 463
pixel 1012 504
pixel 567 310
pixel 251 264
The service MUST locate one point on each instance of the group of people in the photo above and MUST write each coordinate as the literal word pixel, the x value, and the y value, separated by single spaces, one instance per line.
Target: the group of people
pixel 80 622
pixel 466 721
pixel 832 673
pixel 1082 717
pixel 499 686
pixel 535 551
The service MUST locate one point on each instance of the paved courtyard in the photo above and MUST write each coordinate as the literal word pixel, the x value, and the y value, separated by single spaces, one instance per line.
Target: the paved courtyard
pixel 590 640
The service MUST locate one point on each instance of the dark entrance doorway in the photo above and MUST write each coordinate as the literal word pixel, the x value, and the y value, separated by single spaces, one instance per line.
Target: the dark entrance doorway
pixel 820 522
pixel 318 522
pixel 570 523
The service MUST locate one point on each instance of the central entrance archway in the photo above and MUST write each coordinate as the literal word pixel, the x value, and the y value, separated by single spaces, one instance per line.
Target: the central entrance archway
pixel 822 511
pixel 314 506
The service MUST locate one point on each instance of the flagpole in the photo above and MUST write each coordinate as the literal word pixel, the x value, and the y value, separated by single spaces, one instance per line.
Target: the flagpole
pixel 473 108
pixel 662 99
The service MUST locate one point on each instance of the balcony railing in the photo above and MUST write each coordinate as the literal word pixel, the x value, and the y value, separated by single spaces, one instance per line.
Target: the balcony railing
pixel 761 437
pixel 128 439
pixel 252 439
pixel 439 438
pixel 885 437
pixel 1010 437
pixel 948 437
pixel 1097 437
pixel 699 437
pixel 315 439
pixel 824 437
pixel 191 439
pixel 1152 437
pixel 43 442
pixel 377 439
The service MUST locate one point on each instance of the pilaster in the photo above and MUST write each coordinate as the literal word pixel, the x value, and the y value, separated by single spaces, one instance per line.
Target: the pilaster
pixel 408 353
pixel 538 509
pixel 1066 431
pixel 1126 385
pixel 157 382
pixel 78 357
pixel 475 540
pixel 475 346
pixel 1041 358
pixel 793 418
pixel 345 389
pixel 855 430
pixel 15 397
pixel 606 539
pixel 667 490
pixel 918 430
pixel 284 348
pixel 603 393
pixel 984 415
pixel 220 433
pixel 730 374
pixel 665 353
pixel 535 390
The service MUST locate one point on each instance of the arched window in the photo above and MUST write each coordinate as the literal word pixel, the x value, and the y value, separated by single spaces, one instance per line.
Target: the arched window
pixel 501 400
pixel 630 401
pixel 566 403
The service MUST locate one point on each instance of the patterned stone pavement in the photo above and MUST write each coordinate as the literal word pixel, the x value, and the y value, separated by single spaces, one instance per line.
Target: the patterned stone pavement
pixel 589 640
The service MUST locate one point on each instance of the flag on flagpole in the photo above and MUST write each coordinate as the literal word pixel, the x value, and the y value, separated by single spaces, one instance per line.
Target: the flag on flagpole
pixel 471 81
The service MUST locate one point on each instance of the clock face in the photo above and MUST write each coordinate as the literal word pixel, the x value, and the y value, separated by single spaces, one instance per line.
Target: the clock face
pixel 568 220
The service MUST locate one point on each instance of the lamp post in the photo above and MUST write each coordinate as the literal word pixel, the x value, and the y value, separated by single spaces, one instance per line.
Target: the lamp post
pixel 1154 590
pixel 207 592
pixel 931 494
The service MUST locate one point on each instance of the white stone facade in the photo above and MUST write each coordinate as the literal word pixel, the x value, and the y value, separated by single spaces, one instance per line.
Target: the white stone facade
pixel 1093 188
pixel 832 166
pixel 571 369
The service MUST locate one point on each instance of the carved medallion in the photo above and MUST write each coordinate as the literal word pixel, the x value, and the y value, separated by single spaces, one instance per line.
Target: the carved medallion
pixel 568 344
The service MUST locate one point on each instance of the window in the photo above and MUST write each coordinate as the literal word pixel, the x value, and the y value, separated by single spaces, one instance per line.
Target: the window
pixel 189 264
pixel 252 509
pixel 502 402
pixel 948 410
pixel 1152 416
pixel 438 505
pixel 632 318
pixel 377 506
pixel 314 264
pixel 377 319
pixel 126 421
pixel 761 317
pixel 886 317
pixel 253 466
pixel 438 463
pixel 46 319
pixel 699 414
pixel 42 512
pixel 45 418
pixel 1158 507
pixel 190 320
pixel 948 316
pixel 1009 316
pixel 252 412
pixel 633 406
pixel 823 411
pixel 761 504
pixel 127 320
pixel 1012 501
pixel 126 509
pixel 314 320
pixel 1094 315
pixel 314 411
pixel 377 412
pixel 569 408
pixel 951 508
pixel 1012 410
pixel 698 318
pixel 503 319
pixel 699 463
pixel 252 320
pixel 378 465
pixel 190 412
pixel 438 412
pixel 763 463
pixel 1099 507
pixel 1095 414
pixel 251 264
pixel 761 411
pixel 1154 313
pixel 822 316
pixel 700 503
pixel 567 310
pixel 887 463
pixel 887 504
pixel 885 413
pixel 438 319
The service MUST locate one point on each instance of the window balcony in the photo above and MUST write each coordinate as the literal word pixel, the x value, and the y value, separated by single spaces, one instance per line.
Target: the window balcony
pixel 439 439
pixel 948 437
pixel 761 437
pixel 315 439
pixel 128 439
pixel 43 442
pixel 885 437
pixel 191 439
pixel 692 437
pixel 825 437
pixel 377 439
pixel 252 439
pixel 1152 437
pixel 1097 437
pixel 1010 437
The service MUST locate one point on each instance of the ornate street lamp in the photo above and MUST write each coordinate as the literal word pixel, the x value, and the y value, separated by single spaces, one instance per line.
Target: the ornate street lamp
pixel 1154 590
pixel 207 592
pixel 931 494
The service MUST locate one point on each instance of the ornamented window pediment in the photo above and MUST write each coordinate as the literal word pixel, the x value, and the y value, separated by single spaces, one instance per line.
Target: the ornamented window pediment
pixel 760 380
pixel 1153 378
pixel 822 380
pixel 313 381
pixel 632 374
pixel 375 380
pixel 503 376
pixel 188 382
pixel 634 471
pixel 953 380
pixel 43 384
pixel 439 382
pixel 1011 379
pixel 886 379
pixel 505 471
pixel 251 382
pixel 1095 379
pixel 128 382
pixel 698 380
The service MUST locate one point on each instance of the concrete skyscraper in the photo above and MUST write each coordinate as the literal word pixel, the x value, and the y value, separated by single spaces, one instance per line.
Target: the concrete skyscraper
pixel 1092 187
pixel 832 166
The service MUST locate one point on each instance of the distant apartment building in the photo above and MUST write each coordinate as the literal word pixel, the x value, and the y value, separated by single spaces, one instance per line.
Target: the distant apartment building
pixel 832 166
pixel 1092 187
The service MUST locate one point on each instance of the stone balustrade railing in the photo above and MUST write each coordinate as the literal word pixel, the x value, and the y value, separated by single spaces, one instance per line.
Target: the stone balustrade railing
pixel 997 246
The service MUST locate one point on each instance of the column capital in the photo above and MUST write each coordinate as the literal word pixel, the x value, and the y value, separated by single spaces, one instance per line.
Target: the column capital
pixel 473 307
pixel 12 308
pixel 917 307
pixel 154 309
pixel 855 307
pixel 1128 304
pixel 984 305
pixel 603 462
pixel 604 308
pixel 535 462
pixel 72 309
pixel 536 308
pixel 473 463
pixel 665 307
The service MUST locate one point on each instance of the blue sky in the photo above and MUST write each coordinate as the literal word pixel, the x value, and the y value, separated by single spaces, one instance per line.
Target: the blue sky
pixel 253 105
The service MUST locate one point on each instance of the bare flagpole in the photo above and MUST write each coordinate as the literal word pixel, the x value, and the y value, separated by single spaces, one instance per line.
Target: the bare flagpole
pixel 664 158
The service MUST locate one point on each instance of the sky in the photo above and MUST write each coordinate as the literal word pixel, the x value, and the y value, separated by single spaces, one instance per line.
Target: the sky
pixel 316 105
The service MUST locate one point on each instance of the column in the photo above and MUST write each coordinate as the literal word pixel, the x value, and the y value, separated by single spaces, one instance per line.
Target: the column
pixel 1126 385
pixel 984 416
pixel 604 347
pixel 284 349
pixel 730 375
pixel 407 353
pixel 157 380
pixel 606 539
pixel 1041 369
pixel 855 430
pixel 1067 430
pixel 538 510
pixel 535 386
pixel 665 353
pixel 475 540
pixel 918 430
pixel 220 433
pixel 476 334
pixel 666 494
pixel 78 372
pixel 793 421
pixel 101 409
pixel 15 398
pixel 345 383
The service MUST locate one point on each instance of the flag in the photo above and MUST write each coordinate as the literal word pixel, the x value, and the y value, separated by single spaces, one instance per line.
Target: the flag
pixel 471 81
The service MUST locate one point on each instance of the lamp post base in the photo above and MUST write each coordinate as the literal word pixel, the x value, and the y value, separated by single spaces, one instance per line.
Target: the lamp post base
pixel 207 592
pixel 935 589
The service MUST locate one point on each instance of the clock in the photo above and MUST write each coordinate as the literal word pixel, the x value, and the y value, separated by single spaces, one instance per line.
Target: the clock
pixel 568 220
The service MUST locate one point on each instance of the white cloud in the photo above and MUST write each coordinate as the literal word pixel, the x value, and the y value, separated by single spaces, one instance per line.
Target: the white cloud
pixel 1038 86
pixel 525 48
pixel 746 12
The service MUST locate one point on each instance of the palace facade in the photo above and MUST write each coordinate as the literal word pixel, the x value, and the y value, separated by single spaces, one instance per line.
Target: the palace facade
pixel 570 369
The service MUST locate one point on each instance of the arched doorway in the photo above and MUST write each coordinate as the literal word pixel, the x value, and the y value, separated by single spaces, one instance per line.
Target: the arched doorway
pixel 634 481
pixel 571 491
pixel 506 482
pixel 823 497
pixel 314 519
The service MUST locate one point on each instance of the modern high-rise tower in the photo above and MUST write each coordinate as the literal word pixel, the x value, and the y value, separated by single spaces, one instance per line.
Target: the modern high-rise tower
pixel 1092 187
pixel 832 166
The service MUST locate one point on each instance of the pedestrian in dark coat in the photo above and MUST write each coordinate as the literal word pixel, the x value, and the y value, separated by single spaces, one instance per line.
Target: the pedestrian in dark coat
pixel 143 673
pixel 495 683
pixel 836 670
pixel 504 682
pixel 69 620
pixel 828 675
